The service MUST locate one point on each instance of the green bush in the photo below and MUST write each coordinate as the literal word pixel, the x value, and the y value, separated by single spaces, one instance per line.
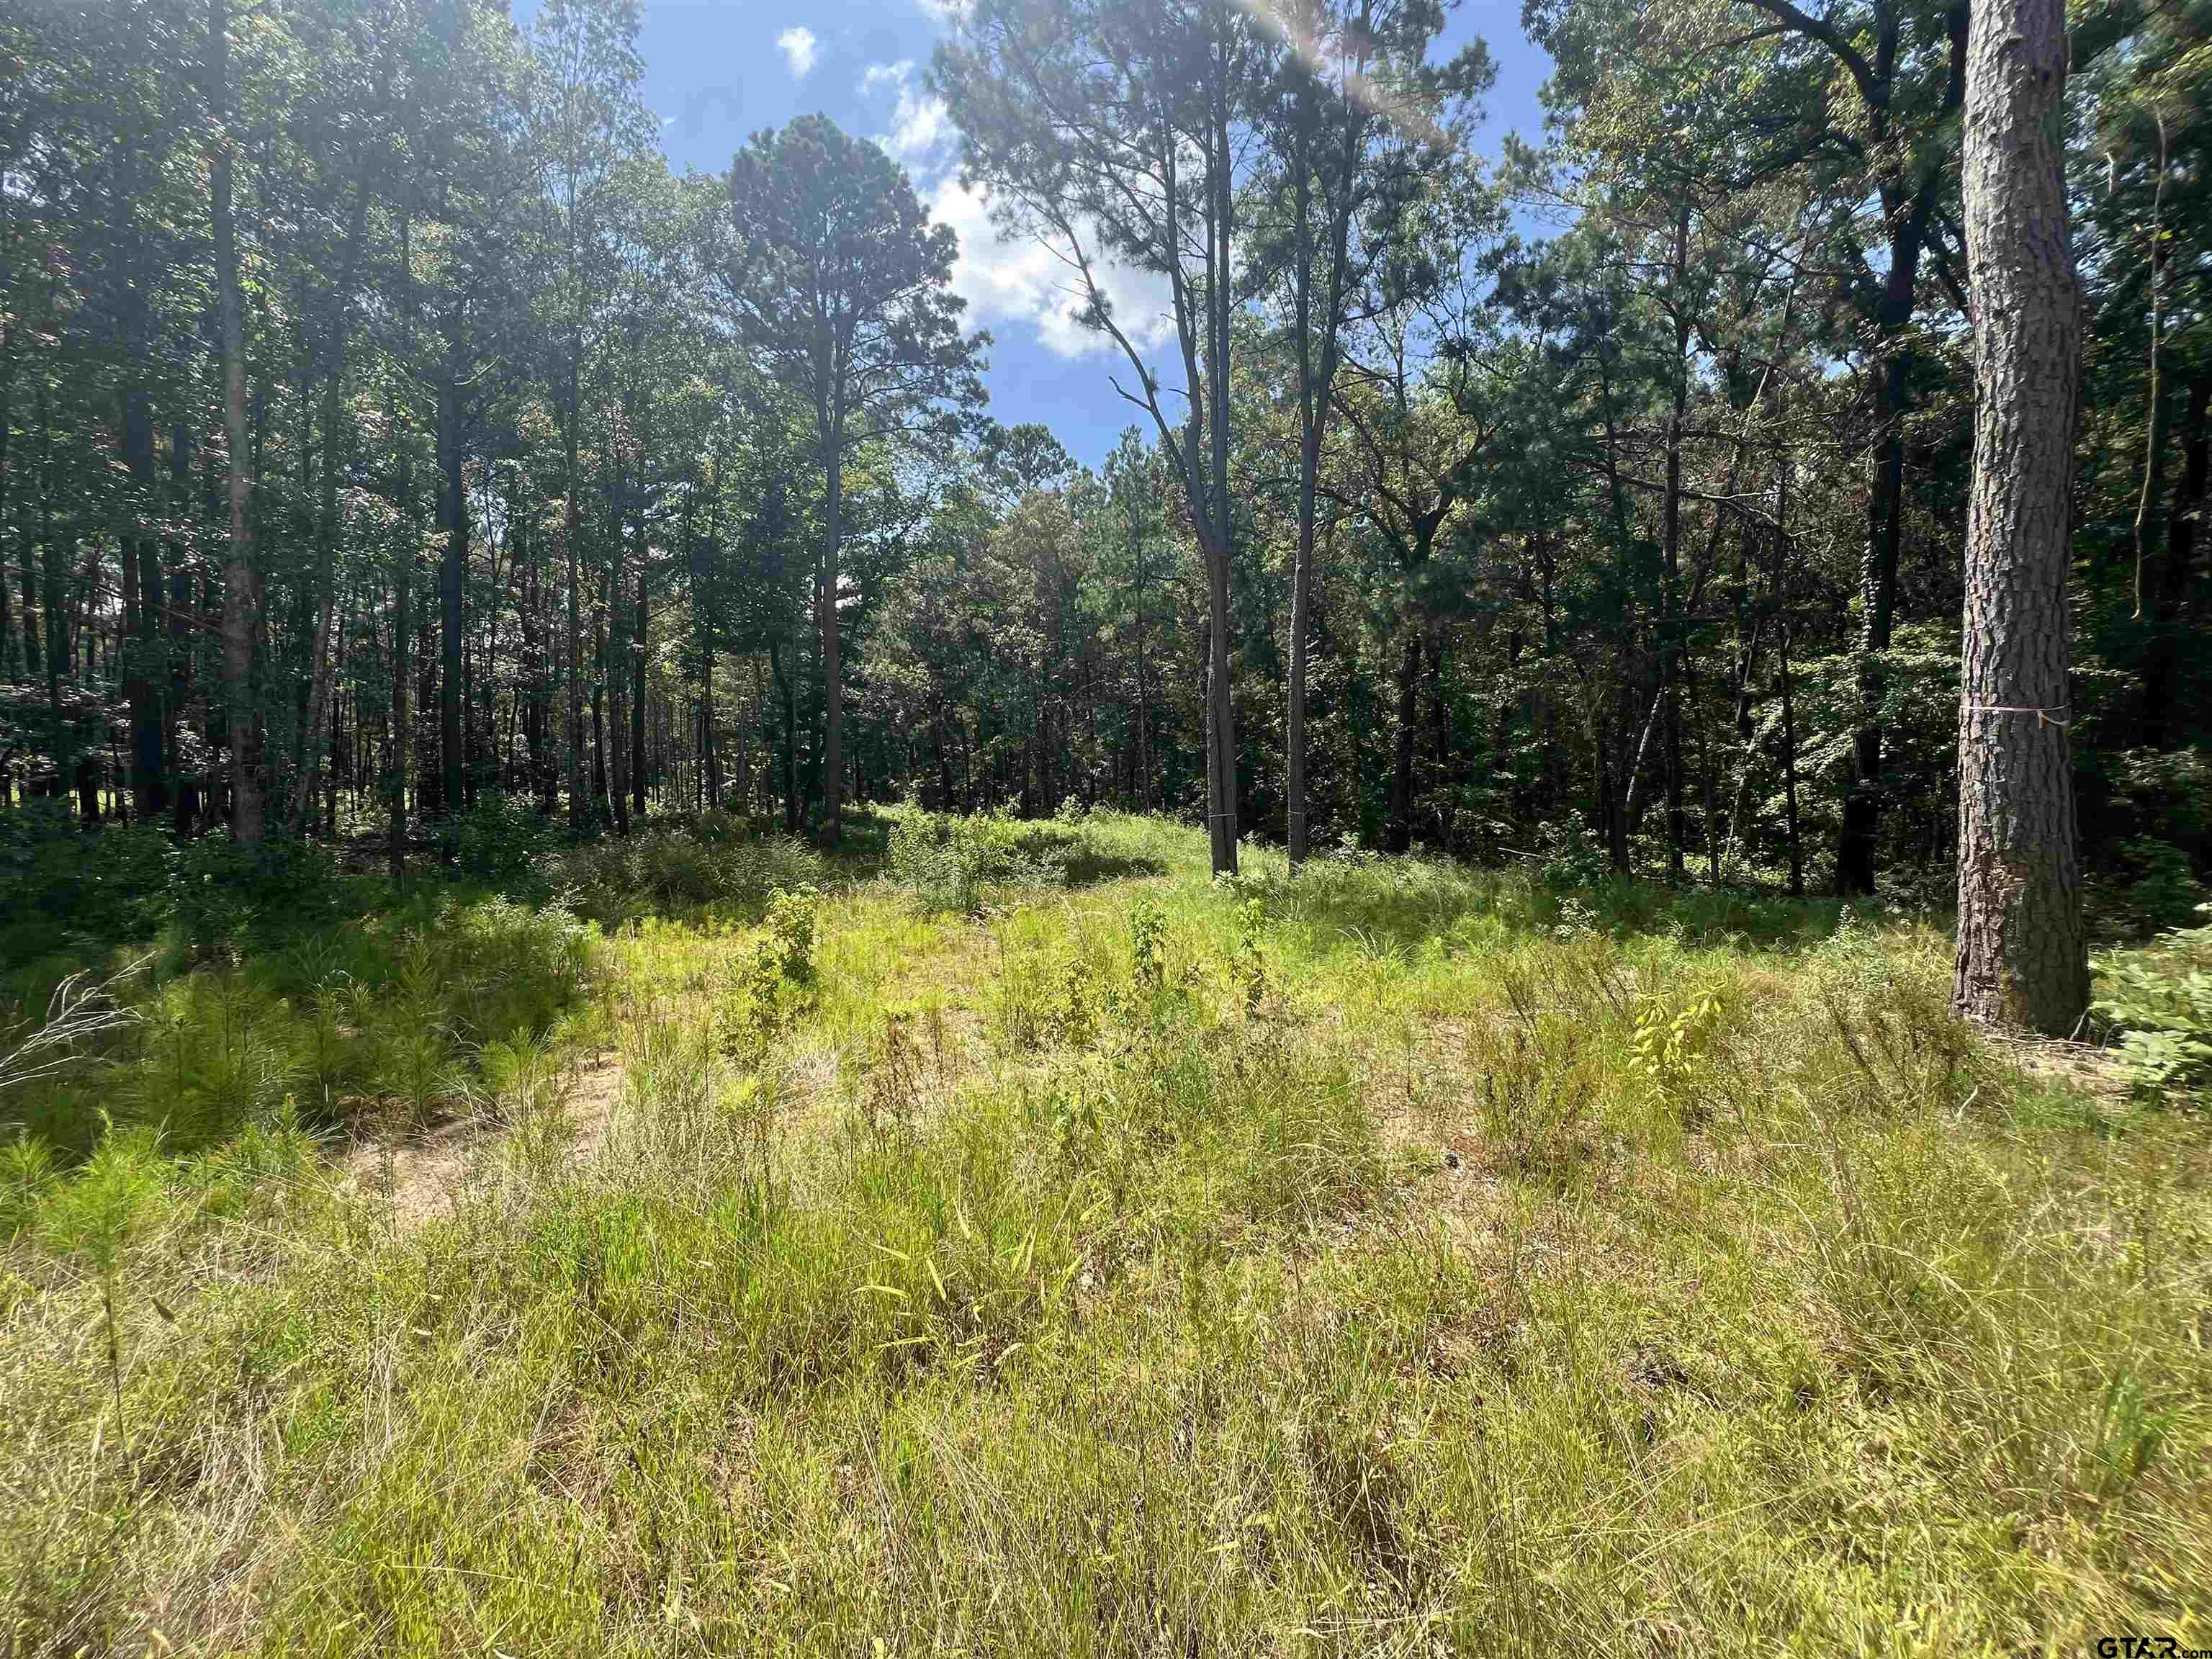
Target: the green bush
pixel 663 869
pixel 950 863
pixel 500 839
pixel 2159 1002
pixel 225 893
pixel 2161 795
pixel 58 882
pixel 1571 856
pixel 2150 886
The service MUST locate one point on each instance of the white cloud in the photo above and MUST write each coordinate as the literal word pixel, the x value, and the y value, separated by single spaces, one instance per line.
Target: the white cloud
pixel 1016 281
pixel 917 127
pixel 1020 280
pixel 921 125
pixel 798 47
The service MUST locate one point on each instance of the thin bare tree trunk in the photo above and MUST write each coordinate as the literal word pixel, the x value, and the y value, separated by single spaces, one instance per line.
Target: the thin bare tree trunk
pixel 239 579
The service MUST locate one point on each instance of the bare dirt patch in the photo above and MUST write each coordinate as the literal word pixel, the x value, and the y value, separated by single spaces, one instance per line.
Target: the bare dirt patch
pixel 426 1173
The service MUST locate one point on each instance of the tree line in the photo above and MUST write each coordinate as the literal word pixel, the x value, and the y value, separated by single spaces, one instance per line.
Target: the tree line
pixel 386 428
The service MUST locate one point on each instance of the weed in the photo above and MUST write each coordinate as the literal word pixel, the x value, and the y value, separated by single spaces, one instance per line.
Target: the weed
pixel 1757 1304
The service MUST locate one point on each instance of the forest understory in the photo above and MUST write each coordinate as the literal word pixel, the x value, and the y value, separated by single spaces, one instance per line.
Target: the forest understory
pixel 1007 1237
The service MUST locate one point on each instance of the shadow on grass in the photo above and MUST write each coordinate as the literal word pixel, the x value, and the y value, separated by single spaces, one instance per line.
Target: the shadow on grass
pixel 1401 905
pixel 1094 866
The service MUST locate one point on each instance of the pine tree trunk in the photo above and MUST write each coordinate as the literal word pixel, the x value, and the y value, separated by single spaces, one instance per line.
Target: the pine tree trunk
pixel 572 535
pixel 2162 659
pixel 833 682
pixel 185 800
pixel 638 769
pixel 402 596
pixel 238 572
pixel 1855 847
pixel 1401 761
pixel 142 605
pixel 2022 957
pixel 452 576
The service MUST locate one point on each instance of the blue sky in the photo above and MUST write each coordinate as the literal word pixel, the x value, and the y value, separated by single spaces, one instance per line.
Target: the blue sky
pixel 716 70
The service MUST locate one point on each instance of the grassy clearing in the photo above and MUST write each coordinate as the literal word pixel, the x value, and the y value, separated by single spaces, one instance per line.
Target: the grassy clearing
pixel 1398 1260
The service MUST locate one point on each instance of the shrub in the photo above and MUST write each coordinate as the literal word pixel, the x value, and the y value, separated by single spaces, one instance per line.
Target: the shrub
pixel 224 893
pixel 2140 792
pixel 2151 886
pixel 671 868
pixel 59 882
pixel 1571 856
pixel 950 863
pixel 777 975
pixel 500 839
pixel 2160 1003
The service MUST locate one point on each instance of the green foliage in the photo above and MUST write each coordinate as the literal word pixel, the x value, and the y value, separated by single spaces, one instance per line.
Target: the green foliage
pixel 60 883
pixel 1572 856
pixel 773 981
pixel 1248 961
pixel 1669 1044
pixel 670 870
pixel 1148 934
pixel 228 896
pixel 1508 1268
pixel 26 1164
pixel 98 1210
pixel 499 839
pixel 2159 1002
pixel 359 1020
pixel 2148 885
pixel 952 863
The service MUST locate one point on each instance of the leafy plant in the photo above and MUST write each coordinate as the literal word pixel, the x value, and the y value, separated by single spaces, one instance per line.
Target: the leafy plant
pixel 776 977
pixel 950 863
pixel 498 839
pixel 1247 963
pixel 58 881
pixel 96 1215
pixel 1148 940
pixel 1669 1045
pixel 226 894
pixel 2160 1003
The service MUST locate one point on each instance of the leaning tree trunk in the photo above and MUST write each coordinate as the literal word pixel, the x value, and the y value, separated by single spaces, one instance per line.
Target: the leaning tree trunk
pixel 2022 959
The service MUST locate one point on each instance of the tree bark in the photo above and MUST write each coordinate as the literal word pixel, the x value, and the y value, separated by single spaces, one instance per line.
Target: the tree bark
pixel 787 691
pixel 825 615
pixel 452 579
pixel 1672 649
pixel 185 811
pixel 637 704
pixel 142 610
pixel 402 596
pixel 2021 955
pixel 2163 658
pixel 1906 209
pixel 571 535
pixel 1401 759
pixel 239 579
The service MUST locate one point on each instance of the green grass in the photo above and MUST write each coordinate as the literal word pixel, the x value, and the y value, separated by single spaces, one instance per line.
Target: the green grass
pixel 1398 1259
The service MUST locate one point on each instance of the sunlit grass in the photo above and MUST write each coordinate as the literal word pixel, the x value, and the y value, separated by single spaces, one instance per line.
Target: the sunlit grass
pixel 1397 1259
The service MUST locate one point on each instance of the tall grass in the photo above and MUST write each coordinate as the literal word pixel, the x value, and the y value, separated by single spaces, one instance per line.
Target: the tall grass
pixel 1395 1258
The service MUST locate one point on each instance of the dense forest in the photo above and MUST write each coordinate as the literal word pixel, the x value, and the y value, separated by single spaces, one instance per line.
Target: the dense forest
pixel 387 431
